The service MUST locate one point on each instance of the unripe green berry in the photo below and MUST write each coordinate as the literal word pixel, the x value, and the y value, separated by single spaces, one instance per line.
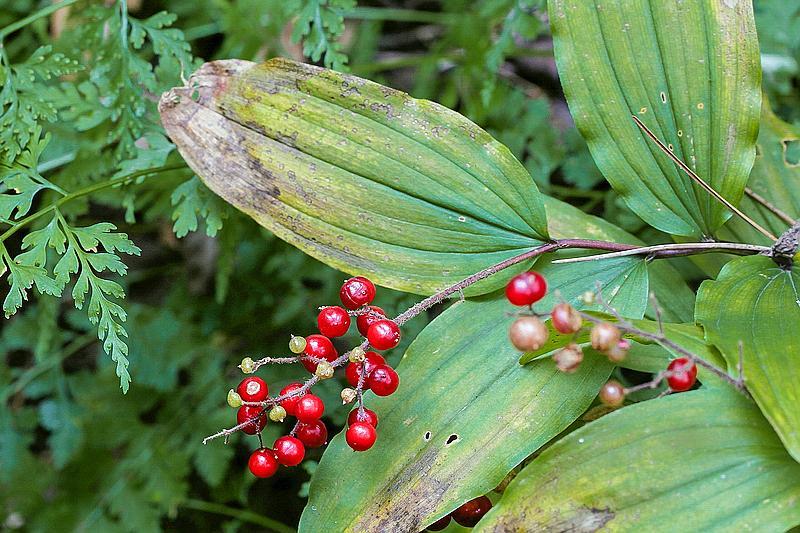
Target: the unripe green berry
pixel 588 297
pixel 324 370
pixel 234 400
pixel 357 355
pixel 348 395
pixel 248 366
pixel 297 344
pixel 277 414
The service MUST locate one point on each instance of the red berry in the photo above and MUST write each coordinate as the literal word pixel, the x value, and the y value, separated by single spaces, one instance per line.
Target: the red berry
pixel 262 463
pixel 289 450
pixel 440 524
pixel 471 512
pixel 372 360
pixel 248 412
pixel 367 416
pixel 526 288
pixel 309 408
pixel 383 380
pixel 290 404
pixel 383 334
pixel 360 436
pixel 356 292
pixel 253 389
pixel 682 380
pixel 321 347
pixel 333 321
pixel 566 319
pixel 313 435
pixel 364 321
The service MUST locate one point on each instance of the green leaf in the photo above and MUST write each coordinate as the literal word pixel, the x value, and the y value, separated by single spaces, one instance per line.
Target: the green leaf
pixel 696 461
pixel 460 377
pixel 755 302
pixel 775 176
pixel 358 175
pixel 690 71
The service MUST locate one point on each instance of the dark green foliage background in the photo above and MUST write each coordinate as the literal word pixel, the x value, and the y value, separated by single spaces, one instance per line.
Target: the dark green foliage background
pixel 210 286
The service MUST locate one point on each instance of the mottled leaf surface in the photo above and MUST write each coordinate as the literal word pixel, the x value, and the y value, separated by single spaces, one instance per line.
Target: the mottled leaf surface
pixel 696 461
pixel 460 382
pixel 358 175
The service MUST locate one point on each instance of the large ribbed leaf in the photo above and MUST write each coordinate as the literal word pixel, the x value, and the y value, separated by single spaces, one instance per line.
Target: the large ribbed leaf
pixel 460 381
pixel 755 302
pixel 690 71
pixel 697 461
pixel 358 175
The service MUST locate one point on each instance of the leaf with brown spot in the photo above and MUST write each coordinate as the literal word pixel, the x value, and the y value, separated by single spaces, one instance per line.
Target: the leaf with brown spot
pixel 358 175
pixel 696 461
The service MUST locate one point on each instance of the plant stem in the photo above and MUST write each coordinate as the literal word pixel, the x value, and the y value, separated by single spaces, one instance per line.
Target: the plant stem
pixel 676 250
pixel 240 514
pixel 697 179
pixel 44 12
pixel 772 208
pixel 401 15
pixel 83 192
pixel 442 295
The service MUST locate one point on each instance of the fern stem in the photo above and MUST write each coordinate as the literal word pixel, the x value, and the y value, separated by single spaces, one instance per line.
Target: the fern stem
pixel 44 12
pixel 84 192
pixel 241 514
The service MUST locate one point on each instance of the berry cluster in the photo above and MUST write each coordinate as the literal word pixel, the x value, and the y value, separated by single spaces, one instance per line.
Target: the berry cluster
pixel 529 333
pixel 467 515
pixel 365 370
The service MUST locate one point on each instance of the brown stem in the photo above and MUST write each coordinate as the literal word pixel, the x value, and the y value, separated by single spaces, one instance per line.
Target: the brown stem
pixel 697 179
pixel 772 208
pixel 442 295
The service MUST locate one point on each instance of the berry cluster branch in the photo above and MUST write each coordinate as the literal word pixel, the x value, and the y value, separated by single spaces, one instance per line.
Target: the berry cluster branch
pixel 661 339
pixel 356 354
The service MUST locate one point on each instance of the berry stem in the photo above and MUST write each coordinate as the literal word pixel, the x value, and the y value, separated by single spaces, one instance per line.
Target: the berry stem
pixel 587 244
pixel 662 340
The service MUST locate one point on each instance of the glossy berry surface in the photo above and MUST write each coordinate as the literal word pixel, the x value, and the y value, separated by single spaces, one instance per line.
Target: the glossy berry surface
pixel 364 321
pixel 682 380
pixel 471 512
pixel 383 334
pixel 383 381
pixel 320 347
pixel 612 393
pixel 372 360
pixel 247 412
pixel 309 408
pixel 565 319
pixel 360 436
pixel 290 404
pixel 367 416
pixel 313 435
pixel 440 524
pixel 526 288
pixel 356 292
pixel 333 321
pixel 289 450
pixel 263 463
pixel 252 389
pixel 528 333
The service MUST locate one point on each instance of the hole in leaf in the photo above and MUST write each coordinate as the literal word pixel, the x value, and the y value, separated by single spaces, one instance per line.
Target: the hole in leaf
pixel 451 439
pixel 427 436
pixel 791 152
